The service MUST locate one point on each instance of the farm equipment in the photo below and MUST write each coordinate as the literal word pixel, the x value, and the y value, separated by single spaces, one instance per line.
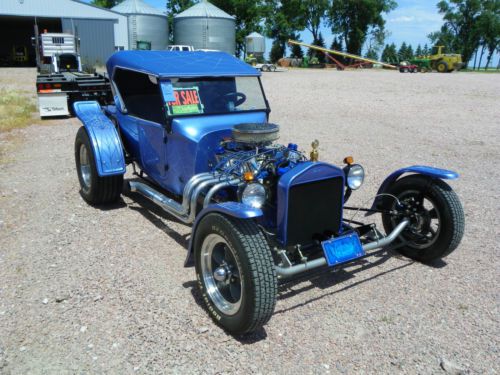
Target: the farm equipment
pixel 360 61
pixel 406 67
pixel 439 61
pixel 195 129
pixel 61 80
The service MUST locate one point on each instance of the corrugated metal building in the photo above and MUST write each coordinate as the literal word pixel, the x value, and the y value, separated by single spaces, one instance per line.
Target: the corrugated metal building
pixel 101 31
pixel 204 26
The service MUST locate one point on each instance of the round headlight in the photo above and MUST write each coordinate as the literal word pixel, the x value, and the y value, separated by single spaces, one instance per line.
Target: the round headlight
pixel 254 195
pixel 355 176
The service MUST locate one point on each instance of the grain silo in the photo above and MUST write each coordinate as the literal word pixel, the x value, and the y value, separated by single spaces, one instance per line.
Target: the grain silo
pixel 255 44
pixel 204 26
pixel 146 24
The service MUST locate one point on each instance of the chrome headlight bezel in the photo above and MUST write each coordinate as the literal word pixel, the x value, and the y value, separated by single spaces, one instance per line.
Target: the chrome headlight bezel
pixel 355 176
pixel 253 194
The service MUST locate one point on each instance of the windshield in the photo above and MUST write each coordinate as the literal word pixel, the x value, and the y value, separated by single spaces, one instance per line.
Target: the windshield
pixel 212 95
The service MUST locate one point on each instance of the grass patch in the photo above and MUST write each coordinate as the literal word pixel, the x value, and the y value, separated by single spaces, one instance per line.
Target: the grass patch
pixel 16 109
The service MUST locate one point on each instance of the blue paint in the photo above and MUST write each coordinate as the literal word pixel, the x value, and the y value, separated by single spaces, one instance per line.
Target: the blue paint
pixel 417 169
pixel 231 209
pixel 105 141
pixel 173 64
pixel 193 142
pixel 303 173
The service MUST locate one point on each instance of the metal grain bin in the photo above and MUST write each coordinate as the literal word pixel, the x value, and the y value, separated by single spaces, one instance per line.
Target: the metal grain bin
pixel 204 26
pixel 145 24
pixel 255 44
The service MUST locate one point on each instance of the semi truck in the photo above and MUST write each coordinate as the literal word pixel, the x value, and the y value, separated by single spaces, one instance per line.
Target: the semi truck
pixel 61 81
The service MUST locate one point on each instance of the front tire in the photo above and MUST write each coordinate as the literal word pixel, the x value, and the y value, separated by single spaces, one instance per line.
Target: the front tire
pixel 94 188
pixel 436 215
pixel 235 273
pixel 442 67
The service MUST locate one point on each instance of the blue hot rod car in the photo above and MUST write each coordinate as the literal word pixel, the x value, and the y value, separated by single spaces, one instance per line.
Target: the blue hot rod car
pixel 195 128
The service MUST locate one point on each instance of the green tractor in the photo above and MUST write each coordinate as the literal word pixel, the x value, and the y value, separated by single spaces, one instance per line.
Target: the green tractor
pixel 442 62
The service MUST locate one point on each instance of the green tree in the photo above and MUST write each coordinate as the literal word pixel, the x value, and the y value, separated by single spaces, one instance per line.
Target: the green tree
pixel 314 12
pixel 106 3
pixel 371 54
pixel 297 50
pixel 277 51
pixel 175 7
pixel 460 32
pixel 353 20
pixel 320 42
pixel 249 15
pixel 403 52
pixel 409 53
pixel 489 28
pixel 389 54
pixel 418 51
pixel 283 20
pixel 426 50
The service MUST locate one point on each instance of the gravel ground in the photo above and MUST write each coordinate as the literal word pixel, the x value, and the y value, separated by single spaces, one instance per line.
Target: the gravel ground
pixel 86 290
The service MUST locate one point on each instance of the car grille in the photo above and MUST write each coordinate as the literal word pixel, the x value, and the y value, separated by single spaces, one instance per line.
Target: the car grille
pixel 313 209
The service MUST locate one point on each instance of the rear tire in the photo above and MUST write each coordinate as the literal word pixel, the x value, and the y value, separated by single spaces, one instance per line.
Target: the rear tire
pixel 235 273
pixel 442 67
pixel 438 220
pixel 94 188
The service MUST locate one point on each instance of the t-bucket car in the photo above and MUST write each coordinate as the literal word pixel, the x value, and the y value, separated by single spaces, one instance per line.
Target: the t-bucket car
pixel 195 128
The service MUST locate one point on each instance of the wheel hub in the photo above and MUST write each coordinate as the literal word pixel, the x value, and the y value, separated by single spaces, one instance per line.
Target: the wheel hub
pixel 222 273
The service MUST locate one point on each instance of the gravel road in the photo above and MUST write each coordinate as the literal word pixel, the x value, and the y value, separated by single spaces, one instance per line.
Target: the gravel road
pixel 86 290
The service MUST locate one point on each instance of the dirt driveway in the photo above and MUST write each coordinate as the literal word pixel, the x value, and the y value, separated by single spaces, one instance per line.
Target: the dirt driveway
pixel 86 290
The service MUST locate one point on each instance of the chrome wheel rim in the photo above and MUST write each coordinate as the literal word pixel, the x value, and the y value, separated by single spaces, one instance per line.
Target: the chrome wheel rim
pixel 85 170
pixel 221 275
pixel 425 220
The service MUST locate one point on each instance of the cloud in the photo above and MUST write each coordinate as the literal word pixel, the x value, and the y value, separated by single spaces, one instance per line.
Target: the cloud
pixel 402 19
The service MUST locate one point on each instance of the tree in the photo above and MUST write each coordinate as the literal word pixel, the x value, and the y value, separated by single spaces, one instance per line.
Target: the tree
pixel 175 7
pixel 403 52
pixel 320 42
pixel 106 3
pixel 297 51
pixel 314 12
pixel 371 54
pixel 390 55
pixel 337 46
pixel 460 32
pixel 284 19
pixel 409 53
pixel 277 51
pixel 418 51
pixel 489 28
pixel 355 19
pixel 426 51
pixel 249 15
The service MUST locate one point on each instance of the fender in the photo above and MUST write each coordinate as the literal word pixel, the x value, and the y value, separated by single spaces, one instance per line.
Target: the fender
pixel 104 138
pixel 432 172
pixel 232 209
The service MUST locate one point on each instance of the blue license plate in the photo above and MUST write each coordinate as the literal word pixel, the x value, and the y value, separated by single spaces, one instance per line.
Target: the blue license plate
pixel 342 249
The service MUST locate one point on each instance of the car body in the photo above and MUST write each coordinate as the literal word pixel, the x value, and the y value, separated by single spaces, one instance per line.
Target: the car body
pixel 195 128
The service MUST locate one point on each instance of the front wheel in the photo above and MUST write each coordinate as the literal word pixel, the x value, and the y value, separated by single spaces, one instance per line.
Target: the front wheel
pixel 235 273
pixel 436 217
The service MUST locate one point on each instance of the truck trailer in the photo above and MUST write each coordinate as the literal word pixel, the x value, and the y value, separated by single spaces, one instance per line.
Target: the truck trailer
pixel 61 80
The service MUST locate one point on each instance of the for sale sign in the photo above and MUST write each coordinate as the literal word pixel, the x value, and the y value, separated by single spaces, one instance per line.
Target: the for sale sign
pixel 186 101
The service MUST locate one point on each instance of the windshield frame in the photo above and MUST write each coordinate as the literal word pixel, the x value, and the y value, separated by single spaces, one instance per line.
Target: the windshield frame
pixel 170 118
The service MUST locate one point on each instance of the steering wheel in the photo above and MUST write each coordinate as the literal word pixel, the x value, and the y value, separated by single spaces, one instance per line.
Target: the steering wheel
pixel 238 98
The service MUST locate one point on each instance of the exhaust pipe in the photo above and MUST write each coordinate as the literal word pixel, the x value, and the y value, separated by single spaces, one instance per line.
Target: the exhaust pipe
pixel 284 272
pixel 168 204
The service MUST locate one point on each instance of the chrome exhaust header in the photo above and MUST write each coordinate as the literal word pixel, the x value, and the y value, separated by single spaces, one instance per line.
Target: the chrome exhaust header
pixel 284 272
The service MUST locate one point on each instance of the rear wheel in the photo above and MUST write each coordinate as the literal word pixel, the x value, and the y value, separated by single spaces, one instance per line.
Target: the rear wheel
pixel 436 217
pixel 442 67
pixel 94 188
pixel 235 273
